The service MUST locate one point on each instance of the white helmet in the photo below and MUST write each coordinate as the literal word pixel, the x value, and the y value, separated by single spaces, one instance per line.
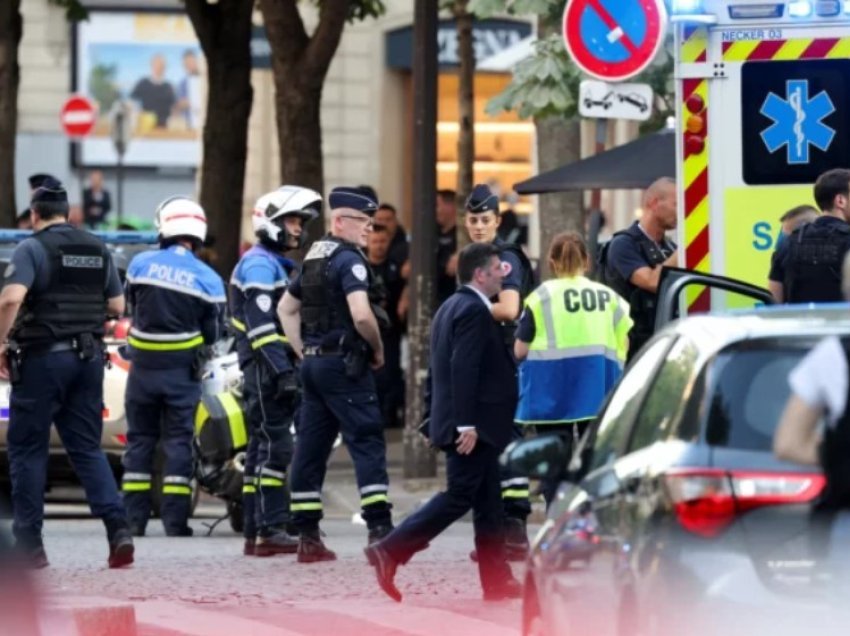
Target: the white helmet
pixel 285 201
pixel 180 216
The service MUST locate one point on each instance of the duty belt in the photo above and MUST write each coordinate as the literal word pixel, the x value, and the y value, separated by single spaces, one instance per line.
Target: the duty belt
pixel 322 350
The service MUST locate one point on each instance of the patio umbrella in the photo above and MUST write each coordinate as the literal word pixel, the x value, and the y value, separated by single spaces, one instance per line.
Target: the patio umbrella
pixel 631 166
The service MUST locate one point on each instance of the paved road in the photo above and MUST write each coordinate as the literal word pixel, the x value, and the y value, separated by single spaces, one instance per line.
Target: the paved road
pixel 204 586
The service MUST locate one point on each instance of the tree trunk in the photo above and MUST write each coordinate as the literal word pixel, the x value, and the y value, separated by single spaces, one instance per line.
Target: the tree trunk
pixel 224 31
pixel 300 64
pixel 466 109
pixel 11 29
pixel 558 143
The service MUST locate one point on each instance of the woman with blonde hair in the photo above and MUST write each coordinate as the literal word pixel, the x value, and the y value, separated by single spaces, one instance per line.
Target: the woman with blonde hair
pixel 572 340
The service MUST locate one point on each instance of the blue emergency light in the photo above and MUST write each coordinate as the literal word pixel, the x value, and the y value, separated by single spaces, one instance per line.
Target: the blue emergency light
pixel 114 237
pixel 690 11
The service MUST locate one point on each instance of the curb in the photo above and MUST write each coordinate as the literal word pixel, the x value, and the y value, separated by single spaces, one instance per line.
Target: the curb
pixel 87 616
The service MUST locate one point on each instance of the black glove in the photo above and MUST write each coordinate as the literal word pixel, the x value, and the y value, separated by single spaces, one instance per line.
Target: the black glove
pixel 287 387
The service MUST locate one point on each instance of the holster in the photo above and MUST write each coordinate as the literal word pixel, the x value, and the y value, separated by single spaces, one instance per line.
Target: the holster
pixel 87 346
pixel 15 357
pixel 355 357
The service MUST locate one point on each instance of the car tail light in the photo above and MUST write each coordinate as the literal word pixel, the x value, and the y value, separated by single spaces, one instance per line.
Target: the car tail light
pixel 706 501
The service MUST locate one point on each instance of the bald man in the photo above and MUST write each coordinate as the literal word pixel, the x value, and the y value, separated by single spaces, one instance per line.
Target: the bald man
pixel 633 259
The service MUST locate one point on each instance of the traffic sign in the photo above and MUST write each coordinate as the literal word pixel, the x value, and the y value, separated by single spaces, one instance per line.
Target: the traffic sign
pixel 614 40
pixel 615 101
pixel 78 116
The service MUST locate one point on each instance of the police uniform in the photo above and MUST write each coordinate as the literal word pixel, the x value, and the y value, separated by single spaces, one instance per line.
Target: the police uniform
pixel 337 395
pixel 269 392
pixel 518 277
pixel 808 263
pixel 177 305
pixel 56 359
pixel 625 253
pixel 577 332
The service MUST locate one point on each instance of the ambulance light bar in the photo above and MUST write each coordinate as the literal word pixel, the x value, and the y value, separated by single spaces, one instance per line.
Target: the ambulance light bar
pixel 690 11
pixel 756 11
pixel 114 237
pixel 821 8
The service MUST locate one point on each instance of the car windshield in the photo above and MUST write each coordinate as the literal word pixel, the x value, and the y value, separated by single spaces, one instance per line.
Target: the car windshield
pixel 747 391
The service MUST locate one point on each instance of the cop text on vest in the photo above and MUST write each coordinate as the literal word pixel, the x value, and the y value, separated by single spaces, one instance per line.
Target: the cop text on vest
pixel 586 299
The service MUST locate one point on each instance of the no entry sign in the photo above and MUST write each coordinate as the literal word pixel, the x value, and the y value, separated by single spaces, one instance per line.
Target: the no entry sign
pixel 614 40
pixel 78 116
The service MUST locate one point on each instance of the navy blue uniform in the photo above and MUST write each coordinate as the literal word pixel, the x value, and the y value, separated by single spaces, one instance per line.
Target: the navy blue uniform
pixel 69 274
pixel 257 284
pixel 177 305
pixel 333 402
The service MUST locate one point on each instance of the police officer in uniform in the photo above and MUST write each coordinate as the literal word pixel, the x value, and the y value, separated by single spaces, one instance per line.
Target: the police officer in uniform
pixel 177 304
pixel 631 262
pixel 60 286
pixel 327 316
pixel 267 363
pixel 807 266
pixel 482 223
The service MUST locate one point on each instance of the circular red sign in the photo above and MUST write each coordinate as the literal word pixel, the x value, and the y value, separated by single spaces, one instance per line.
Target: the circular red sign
pixel 78 116
pixel 613 40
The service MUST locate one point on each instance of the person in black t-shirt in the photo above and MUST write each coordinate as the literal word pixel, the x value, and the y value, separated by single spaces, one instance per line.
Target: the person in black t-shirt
pixel 155 94
pixel 446 244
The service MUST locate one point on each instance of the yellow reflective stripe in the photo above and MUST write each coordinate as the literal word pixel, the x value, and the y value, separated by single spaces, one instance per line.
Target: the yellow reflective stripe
pixel 238 324
pixel 182 345
pixel 135 486
pixel 248 489
pixel 296 507
pixel 174 489
pixel 235 418
pixel 515 494
pixel 260 342
pixel 365 501
pixel 270 481
pixel 201 415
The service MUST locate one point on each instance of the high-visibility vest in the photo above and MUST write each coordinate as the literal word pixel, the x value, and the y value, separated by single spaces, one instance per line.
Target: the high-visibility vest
pixel 577 355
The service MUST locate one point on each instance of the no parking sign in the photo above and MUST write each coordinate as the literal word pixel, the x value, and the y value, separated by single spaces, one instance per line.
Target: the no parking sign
pixel 614 40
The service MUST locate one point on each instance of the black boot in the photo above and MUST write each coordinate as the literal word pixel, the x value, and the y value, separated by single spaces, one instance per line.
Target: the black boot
pixel 275 541
pixel 311 549
pixel 31 554
pixel 121 549
pixel 376 533
pixel 516 539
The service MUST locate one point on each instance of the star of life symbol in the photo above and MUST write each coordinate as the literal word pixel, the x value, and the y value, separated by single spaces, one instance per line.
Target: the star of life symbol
pixel 797 122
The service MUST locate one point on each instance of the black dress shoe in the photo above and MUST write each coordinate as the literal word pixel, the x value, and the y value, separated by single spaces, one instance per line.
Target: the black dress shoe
pixel 121 549
pixel 277 542
pixel 385 567
pixel 507 589
pixel 311 549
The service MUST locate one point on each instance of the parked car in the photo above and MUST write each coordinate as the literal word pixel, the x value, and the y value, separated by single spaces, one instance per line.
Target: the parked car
pixel 123 246
pixel 701 530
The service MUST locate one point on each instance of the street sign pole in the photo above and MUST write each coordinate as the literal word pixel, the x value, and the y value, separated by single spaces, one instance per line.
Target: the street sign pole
pixel 601 139
pixel 120 139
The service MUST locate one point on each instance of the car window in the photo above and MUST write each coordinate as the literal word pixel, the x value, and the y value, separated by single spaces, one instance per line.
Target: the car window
pixel 615 422
pixel 748 388
pixel 665 397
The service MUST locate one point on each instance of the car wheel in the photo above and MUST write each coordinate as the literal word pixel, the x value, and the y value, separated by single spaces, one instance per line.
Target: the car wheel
pixel 237 518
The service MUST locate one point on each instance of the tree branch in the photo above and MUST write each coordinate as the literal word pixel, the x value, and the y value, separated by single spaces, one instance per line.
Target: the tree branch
pixel 285 31
pixel 325 40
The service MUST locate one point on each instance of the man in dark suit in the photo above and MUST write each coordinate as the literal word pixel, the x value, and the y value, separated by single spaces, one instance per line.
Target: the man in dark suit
pixel 473 400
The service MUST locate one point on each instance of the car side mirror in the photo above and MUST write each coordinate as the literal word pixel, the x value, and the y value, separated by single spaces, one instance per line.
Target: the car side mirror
pixel 541 458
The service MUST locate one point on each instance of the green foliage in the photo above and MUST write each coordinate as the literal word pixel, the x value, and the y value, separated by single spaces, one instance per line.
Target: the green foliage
pixel 546 10
pixel 102 85
pixel 74 9
pixel 362 9
pixel 544 84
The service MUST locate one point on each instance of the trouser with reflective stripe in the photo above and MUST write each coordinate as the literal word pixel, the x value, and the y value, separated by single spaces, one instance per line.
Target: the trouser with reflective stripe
pixel 332 403
pixel 160 406
pixel 515 487
pixel 270 447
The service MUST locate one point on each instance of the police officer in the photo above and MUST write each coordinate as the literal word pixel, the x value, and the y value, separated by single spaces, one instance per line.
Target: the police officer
pixel 807 266
pixel 270 383
pixel 631 262
pixel 482 224
pixel 60 286
pixel 572 339
pixel 177 305
pixel 327 316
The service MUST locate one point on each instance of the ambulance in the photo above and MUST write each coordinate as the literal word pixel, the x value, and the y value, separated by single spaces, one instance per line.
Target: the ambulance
pixel 763 99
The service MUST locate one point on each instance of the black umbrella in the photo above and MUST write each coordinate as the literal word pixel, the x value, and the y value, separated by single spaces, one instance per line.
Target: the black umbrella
pixel 634 165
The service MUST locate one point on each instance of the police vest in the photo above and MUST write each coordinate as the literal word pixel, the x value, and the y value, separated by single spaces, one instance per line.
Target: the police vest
pixel 74 301
pixel 815 256
pixel 324 308
pixel 578 351
pixel 642 302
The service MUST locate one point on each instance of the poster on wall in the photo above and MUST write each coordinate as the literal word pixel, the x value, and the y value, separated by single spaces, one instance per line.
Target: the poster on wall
pixel 153 61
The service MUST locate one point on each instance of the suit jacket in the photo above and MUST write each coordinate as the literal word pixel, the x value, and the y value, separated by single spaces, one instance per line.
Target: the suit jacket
pixel 473 378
